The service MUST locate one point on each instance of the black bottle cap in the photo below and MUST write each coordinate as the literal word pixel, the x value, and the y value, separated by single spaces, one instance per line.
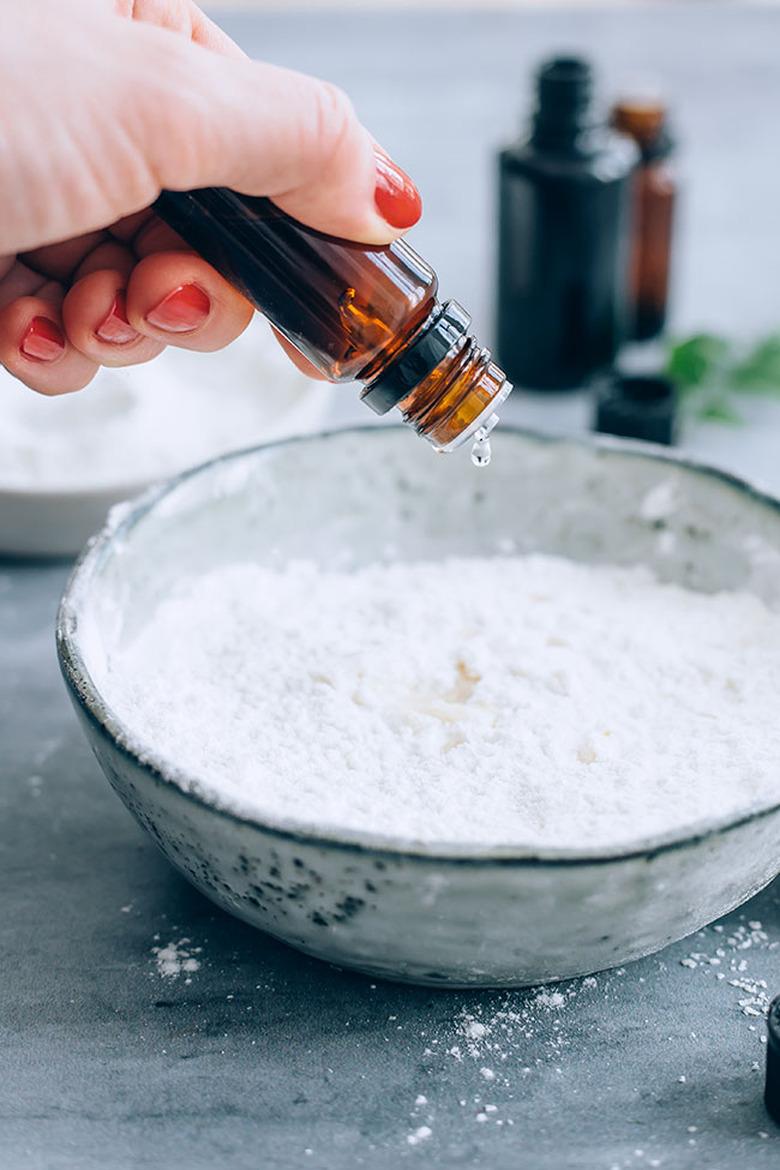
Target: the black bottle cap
pixel 661 148
pixel 772 1089
pixel 564 89
pixel 446 326
pixel 637 406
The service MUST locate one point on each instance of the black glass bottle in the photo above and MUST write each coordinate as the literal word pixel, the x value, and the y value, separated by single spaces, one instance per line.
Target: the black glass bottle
pixel 565 205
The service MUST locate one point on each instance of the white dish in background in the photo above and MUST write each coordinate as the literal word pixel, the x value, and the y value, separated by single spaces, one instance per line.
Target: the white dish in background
pixel 65 461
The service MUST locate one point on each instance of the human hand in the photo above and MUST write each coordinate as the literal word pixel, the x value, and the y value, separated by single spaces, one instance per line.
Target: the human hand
pixel 105 103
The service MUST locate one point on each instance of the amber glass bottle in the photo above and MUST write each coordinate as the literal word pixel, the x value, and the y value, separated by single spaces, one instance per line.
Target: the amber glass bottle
pixel 645 120
pixel 356 312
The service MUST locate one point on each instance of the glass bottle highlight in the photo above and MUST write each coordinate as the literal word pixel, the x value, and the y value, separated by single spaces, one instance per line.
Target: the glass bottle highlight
pixel 357 312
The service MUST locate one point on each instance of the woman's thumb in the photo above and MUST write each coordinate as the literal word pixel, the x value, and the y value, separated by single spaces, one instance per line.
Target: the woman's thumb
pixel 233 122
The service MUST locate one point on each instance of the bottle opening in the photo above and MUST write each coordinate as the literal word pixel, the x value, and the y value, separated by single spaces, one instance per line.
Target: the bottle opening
pixel 566 68
pixel 445 385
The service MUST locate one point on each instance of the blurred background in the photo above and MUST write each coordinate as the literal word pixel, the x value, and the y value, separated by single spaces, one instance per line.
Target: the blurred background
pixel 445 85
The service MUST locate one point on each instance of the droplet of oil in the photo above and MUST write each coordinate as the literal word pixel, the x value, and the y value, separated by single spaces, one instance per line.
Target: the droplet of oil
pixel 481 452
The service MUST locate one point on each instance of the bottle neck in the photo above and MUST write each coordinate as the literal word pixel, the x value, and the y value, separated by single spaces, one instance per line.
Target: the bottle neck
pixel 443 383
pixel 563 120
pixel 458 398
pixel 416 325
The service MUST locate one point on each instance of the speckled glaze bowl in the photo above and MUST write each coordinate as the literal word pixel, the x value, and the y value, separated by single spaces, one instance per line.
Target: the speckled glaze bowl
pixel 439 914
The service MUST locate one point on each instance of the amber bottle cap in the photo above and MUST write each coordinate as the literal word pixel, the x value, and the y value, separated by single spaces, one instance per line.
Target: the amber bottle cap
pixel 643 118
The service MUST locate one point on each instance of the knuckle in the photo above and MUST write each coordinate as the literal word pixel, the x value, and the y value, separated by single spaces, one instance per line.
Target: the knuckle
pixel 168 115
pixel 333 123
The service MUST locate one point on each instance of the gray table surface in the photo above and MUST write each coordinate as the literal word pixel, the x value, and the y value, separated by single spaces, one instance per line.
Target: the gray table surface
pixel 263 1058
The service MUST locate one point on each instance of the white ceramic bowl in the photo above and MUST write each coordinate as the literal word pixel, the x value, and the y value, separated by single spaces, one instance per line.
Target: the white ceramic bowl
pixel 65 461
pixel 435 914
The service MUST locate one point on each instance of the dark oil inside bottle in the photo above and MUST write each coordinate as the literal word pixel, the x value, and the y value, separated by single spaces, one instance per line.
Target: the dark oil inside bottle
pixel 356 312
pixel 350 302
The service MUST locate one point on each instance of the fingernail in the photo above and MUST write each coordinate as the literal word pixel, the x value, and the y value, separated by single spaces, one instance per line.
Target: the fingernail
pixel 115 328
pixel 181 311
pixel 397 199
pixel 42 341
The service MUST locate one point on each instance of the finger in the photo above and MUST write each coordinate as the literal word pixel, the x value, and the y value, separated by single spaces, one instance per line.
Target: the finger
pixel 67 261
pixel 58 261
pixel 127 228
pixel 109 255
pixel 20 281
pixel 94 314
pixel 308 151
pixel 181 16
pixel 156 236
pixel 205 32
pixel 297 358
pixel 34 347
pixel 176 298
pixel 145 233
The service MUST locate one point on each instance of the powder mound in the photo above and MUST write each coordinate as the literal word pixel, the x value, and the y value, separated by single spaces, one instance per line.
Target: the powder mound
pixel 527 701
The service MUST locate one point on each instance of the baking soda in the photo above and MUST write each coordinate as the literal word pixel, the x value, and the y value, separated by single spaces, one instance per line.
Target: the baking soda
pixel 177 958
pixel 526 701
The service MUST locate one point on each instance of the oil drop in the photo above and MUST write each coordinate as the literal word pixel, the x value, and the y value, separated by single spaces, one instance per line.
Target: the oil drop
pixel 481 452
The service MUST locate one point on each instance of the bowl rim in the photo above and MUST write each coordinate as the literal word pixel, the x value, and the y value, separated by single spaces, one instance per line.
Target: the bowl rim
pixel 87 698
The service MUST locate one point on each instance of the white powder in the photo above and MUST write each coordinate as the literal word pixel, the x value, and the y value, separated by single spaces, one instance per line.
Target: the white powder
pixel 504 1031
pixel 419 1135
pixel 519 700
pixel 139 424
pixel 752 993
pixel 177 958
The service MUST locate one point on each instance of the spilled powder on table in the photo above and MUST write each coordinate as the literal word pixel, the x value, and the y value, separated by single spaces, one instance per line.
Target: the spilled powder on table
pixel 494 1040
pixel 177 958
pixel 728 961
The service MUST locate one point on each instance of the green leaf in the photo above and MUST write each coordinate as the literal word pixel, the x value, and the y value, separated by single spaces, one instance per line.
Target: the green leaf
pixel 698 359
pixel 719 410
pixel 759 372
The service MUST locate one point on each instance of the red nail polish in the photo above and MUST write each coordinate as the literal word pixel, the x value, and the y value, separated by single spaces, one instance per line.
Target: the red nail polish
pixel 43 341
pixel 181 311
pixel 115 328
pixel 397 199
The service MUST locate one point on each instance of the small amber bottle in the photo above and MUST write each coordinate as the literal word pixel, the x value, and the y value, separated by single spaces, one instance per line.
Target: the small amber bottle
pixel 645 120
pixel 357 312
